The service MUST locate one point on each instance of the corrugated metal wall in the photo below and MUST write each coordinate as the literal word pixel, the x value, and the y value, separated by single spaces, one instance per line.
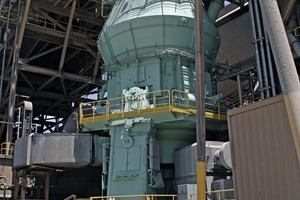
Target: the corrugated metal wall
pixel 265 163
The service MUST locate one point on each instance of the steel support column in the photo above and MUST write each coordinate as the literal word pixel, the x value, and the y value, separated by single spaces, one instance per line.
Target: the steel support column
pixel 47 186
pixel 238 77
pixel 14 75
pixel 4 51
pixel 66 41
pixel 200 106
pixel 285 66
pixel 96 67
pixel 286 13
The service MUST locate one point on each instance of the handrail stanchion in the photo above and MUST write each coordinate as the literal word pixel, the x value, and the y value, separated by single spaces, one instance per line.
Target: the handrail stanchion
pixel 107 109
pixel 80 113
pixel 122 107
pixel 93 111
pixel 219 110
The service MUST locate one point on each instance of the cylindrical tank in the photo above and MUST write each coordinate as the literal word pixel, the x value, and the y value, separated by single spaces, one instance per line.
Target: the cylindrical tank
pixel 137 32
pixel 137 28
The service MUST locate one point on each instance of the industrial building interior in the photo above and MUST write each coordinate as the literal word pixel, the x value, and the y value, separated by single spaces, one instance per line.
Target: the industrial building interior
pixel 50 57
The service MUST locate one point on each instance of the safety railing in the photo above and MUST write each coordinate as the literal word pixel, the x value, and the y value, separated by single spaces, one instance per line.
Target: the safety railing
pixel 296 31
pixel 41 21
pixel 71 197
pixel 149 103
pixel 217 193
pixel 137 197
pixel 6 148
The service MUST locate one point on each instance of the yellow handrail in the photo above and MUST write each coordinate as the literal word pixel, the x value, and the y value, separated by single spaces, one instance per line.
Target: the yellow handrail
pixel 218 192
pixel 41 21
pixel 157 101
pixel 142 197
pixel 73 196
pixel 6 148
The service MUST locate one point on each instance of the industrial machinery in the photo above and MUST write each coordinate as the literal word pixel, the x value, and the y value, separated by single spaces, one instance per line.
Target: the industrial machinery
pixel 148 104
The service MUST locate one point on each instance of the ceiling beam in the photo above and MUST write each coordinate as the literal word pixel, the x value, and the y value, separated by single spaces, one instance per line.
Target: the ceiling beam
pixel 46 83
pixel 82 15
pixel 50 95
pixel 67 35
pixel 42 54
pixel 27 80
pixel 59 34
pixel 54 73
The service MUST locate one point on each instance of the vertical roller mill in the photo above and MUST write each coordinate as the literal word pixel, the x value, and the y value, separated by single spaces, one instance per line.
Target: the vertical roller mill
pixel 148 104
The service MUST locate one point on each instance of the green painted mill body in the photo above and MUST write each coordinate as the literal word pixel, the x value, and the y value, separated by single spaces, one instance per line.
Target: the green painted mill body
pixel 149 45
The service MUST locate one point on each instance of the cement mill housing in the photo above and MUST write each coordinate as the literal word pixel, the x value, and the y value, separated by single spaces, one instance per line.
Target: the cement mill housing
pixel 138 138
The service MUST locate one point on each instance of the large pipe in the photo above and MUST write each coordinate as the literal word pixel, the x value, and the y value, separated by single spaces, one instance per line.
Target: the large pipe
pixel 214 9
pixel 285 66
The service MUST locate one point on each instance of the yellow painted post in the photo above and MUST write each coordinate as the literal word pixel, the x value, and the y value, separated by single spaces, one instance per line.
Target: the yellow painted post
pixel 201 179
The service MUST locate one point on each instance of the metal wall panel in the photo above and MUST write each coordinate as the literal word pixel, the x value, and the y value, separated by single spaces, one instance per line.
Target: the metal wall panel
pixel 265 164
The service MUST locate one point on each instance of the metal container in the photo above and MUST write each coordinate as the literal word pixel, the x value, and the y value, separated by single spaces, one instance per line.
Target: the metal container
pixel 53 150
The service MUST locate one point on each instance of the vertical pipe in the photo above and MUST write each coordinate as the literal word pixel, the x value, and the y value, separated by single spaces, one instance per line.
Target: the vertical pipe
pixel 285 66
pixel 200 107
pixel 23 187
pixel 214 9
pixel 270 65
pixel 47 186
pixel 257 58
pixel 238 77
pixel 14 72
pixel 19 122
pixel 16 185
pixel 265 82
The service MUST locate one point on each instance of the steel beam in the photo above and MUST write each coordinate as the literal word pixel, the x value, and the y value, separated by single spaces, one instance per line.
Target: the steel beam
pixel 82 15
pixel 32 48
pixel 42 54
pixel 287 11
pixel 96 67
pixel 50 19
pixel 78 89
pixel 46 83
pixel 52 95
pixel 56 2
pixel 63 87
pixel 14 75
pixel 68 3
pixel 67 35
pixel 54 73
pixel 57 34
pixel 27 80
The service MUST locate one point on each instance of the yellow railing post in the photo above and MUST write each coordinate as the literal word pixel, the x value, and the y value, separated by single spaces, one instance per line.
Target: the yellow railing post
pixel 219 110
pixel 80 113
pixel 107 110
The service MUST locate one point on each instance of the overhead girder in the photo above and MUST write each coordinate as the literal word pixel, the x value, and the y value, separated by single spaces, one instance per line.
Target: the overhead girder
pixel 54 73
pixel 80 14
